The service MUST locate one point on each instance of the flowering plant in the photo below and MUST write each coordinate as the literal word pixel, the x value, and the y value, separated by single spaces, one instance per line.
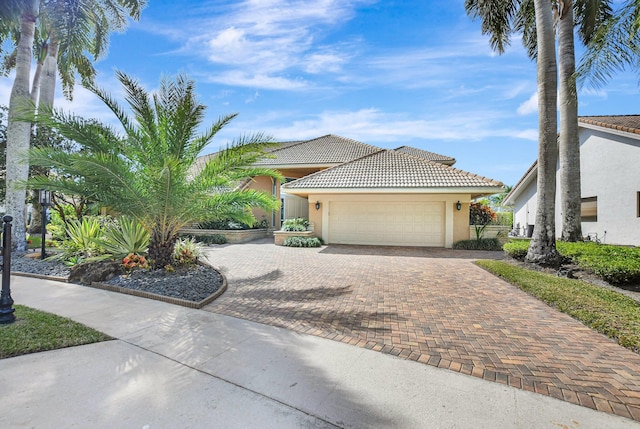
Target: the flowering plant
pixel 133 260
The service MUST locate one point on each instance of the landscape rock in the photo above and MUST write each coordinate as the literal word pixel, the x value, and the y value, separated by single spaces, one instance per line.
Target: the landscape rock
pixel 90 272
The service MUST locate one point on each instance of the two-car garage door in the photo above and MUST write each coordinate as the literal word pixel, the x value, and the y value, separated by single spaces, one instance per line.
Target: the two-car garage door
pixel 387 224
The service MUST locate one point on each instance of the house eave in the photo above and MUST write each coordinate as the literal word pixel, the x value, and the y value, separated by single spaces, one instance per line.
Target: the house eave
pixel 474 191
pixel 528 177
pixel 609 130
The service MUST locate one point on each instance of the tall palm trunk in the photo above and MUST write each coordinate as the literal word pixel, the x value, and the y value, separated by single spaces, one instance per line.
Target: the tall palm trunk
pixel 543 246
pixel 570 192
pixel 18 132
pixel 50 69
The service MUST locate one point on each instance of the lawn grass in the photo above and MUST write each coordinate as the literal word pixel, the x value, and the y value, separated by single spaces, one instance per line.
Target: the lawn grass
pixel 604 310
pixel 37 331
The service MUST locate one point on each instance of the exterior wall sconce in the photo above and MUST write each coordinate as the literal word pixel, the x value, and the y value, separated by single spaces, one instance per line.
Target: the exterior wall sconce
pixel 317 205
pixel 458 206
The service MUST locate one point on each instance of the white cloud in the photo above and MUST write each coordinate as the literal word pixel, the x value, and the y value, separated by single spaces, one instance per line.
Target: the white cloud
pixel 530 106
pixel 263 42
pixel 240 78
pixel 375 125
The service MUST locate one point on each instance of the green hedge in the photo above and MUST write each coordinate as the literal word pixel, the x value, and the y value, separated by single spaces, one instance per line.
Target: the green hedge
pixel 517 249
pixel 208 239
pixel 302 242
pixel 614 264
pixel 482 244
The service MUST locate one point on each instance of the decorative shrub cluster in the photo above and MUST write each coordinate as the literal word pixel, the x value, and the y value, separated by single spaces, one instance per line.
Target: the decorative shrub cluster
pixel 134 261
pixel 208 239
pixel 302 242
pixel 102 238
pixel 480 214
pixel 297 224
pixel 481 244
pixel 614 264
pixel 187 251
pixel 517 249
pixel 228 224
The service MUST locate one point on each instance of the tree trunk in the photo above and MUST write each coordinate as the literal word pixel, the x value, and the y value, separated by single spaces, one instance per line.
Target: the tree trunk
pixel 50 69
pixel 542 249
pixel 161 246
pixel 18 132
pixel 570 192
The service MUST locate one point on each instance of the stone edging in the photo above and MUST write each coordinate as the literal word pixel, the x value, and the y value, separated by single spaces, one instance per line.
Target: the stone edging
pixel 40 276
pixel 142 294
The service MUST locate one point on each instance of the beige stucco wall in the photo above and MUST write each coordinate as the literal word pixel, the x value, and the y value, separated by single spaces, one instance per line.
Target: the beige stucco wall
pixel 456 223
pixel 315 217
pixel 265 184
pixel 461 219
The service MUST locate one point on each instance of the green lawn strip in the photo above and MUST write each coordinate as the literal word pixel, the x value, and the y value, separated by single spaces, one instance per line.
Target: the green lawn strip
pixel 37 331
pixel 604 310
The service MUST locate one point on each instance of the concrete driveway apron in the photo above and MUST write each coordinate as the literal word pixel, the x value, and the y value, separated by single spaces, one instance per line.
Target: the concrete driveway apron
pixel 432 306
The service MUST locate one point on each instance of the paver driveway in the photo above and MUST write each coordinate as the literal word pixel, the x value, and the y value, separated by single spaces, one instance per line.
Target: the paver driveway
pixel 433 306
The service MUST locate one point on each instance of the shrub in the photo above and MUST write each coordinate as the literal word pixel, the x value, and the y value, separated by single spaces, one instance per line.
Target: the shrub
pixel 517 249
pixel 481 244
pixel 123 237
pixel 82 241
pixel 614 264
pixel 229 224
pixel 480 215
pixel 297 224
pixel 187 251
pixel 208 239
pixel 503 218
pixel 302 242
pixel 133 261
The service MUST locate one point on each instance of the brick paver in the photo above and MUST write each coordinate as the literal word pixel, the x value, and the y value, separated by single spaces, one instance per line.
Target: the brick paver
pixel 432 306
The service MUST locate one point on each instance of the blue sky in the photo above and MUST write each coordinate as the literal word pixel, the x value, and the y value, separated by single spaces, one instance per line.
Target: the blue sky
pixel 387 73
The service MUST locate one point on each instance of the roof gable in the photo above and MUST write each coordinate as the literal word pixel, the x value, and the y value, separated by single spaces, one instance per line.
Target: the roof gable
pixel 425 154
pixel 325 151
pixel 392 169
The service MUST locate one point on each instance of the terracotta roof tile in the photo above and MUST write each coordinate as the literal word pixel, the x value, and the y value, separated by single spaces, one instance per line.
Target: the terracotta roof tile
pixel 326 150
pixel 425 154
pixel 392 169
pixel 626 123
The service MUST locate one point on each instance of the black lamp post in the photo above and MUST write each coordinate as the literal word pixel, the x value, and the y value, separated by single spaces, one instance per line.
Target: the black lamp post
pixel 6 302
pixel 44 197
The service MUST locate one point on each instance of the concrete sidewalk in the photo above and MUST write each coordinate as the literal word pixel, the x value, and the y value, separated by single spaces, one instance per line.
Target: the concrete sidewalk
pixel 173 367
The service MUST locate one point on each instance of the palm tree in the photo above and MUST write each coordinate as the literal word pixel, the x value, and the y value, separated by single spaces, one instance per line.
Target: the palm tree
pixel 67 29
pixel 74 28
pixel 500 19
pixel 542 249
pixel 615 46
pixel 18 131
pixel 146 172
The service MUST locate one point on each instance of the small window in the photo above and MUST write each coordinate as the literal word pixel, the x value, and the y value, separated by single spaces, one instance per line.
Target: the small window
pixel 638 204
pixel 589 209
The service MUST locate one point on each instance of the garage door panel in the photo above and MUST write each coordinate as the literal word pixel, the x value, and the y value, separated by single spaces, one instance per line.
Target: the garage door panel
pixel 397 223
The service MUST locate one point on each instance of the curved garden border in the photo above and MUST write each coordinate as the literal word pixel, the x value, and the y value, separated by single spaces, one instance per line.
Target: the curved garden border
pixel 142 294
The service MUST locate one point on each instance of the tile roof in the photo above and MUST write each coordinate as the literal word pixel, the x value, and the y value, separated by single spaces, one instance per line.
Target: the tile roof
pixel 326 150
pixel 626 123
pixel 425 154
pixel 392 169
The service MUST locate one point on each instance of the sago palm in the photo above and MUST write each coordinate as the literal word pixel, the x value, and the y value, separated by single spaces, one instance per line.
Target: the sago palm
pixel 145 172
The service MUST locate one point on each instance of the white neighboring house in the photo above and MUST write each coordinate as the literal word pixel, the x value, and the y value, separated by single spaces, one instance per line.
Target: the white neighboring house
pixel 610 175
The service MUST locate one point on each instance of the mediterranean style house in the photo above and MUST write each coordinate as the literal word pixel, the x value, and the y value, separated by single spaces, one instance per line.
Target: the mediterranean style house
pixel 355 193
pixel 609 154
